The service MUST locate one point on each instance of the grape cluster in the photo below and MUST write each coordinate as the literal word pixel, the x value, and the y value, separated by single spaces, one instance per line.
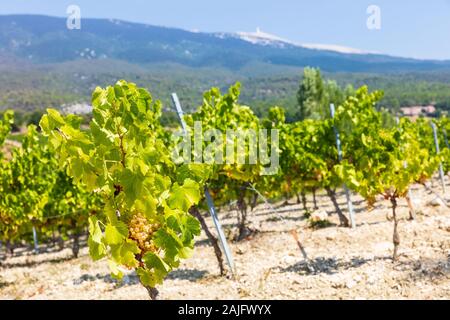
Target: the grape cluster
pixel 142 230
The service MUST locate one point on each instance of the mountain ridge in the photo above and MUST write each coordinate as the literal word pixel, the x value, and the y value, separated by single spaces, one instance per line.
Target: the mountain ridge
pixel 44 39
pixel 264 38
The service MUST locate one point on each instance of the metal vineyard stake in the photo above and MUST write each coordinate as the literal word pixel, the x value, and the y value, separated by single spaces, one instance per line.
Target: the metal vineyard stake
pixel 209 200
pixel 347 192
pixel 436 143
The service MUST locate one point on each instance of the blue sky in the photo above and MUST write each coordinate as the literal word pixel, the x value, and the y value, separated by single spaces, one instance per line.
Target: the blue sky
pixel 414 28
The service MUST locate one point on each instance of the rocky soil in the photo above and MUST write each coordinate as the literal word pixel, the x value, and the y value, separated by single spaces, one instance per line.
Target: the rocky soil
pixel 342 263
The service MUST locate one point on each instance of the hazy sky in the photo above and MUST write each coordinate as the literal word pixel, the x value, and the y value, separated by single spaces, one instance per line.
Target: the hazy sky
pixel 414 28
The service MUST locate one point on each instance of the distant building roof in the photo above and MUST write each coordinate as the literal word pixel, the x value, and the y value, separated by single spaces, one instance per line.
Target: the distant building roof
pixel 415 111
pixel 76 108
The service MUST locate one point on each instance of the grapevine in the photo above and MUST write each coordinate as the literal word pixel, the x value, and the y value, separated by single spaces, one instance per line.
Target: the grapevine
pixel 145 223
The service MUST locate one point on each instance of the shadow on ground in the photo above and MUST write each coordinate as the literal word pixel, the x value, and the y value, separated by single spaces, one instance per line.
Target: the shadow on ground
pixel 28 264
pixel 324 265
pixel 422 269
pixel 132 279
pixel 429 270
pixel 187 274
pixel 4 284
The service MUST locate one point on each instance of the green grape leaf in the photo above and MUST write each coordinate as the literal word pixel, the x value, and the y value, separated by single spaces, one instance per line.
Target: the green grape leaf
pixel 115 234
pixel 184 196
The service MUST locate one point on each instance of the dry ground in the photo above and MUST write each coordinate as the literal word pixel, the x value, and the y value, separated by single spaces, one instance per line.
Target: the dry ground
pixel 348 263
